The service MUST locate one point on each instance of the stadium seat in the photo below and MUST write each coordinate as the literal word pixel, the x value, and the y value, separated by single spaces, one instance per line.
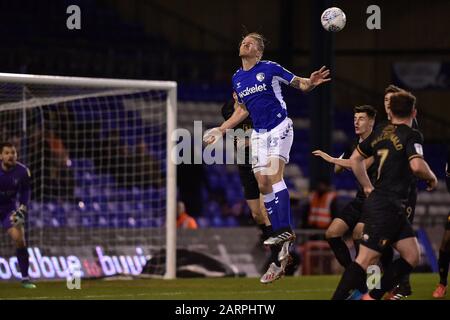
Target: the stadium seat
pixel 102 221
pixel 86 221
pixel 73 219
pixel 217 222
pixel 202 222
pixel 438 210
pixel 49 209
pixel 231 222
pixel 424 197
pixel 420 210
pixel 212 209
pixel 54 222
pixel 317 256
pixel 132 222
pixel 138 206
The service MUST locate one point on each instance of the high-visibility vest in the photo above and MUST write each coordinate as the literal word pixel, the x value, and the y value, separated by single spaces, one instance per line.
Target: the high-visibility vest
pixel 320 209
pixel 185 221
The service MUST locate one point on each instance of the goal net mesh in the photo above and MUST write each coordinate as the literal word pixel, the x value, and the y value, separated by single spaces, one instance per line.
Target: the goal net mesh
pixel 97 157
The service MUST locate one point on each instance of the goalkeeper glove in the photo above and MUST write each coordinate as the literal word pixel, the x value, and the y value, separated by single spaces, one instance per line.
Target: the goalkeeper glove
pixel 18 216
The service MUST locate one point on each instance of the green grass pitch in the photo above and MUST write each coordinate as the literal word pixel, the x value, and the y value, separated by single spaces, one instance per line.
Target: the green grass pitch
pixel 287 288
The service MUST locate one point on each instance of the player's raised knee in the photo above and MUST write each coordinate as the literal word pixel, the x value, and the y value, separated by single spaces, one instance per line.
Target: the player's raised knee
pixel 332 232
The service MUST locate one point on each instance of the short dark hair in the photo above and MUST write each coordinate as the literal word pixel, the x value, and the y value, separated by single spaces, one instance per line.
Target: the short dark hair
pixel 392 89
pixel 369 110
pixel 6 145
pixel 402 104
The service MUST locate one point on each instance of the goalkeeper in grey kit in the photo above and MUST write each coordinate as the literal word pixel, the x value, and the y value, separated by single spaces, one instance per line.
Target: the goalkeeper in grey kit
pixel 15 185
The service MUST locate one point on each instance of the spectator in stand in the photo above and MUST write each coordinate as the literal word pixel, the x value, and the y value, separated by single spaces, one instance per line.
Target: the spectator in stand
pixel 322 206
pixel 184 220
pixel 61 174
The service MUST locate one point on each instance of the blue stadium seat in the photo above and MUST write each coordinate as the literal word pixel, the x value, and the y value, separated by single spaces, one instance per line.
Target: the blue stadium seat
pixel 234 194
pixel 217 222
pixel 231 222
pixel 138 206
pixel 73 219
pixel 212 209
pixel 202 222
pixel 132 222
pixel 35 207
pixel 112 207
pixel 157 222
pixel 102 221
pixel 87 221
pixel 49 209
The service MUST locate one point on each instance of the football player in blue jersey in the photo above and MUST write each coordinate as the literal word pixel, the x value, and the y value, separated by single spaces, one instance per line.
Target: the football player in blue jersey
pixel 257 85
pixel 15 179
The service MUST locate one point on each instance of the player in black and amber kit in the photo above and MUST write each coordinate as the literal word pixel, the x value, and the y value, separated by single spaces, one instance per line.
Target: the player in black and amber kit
pixel 249 184
pixel 444 250
pixel 398 157
pixel 403 290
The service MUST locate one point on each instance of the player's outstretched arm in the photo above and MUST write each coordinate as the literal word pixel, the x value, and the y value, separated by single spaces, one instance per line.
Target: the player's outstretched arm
pixel 359 170
pixel 307 84
pixel 240 114
pixel 339 163
pixel 420 169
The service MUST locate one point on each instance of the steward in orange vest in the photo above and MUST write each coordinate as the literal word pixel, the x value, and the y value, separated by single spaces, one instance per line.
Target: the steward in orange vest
pixel 321 208
pixel 184 220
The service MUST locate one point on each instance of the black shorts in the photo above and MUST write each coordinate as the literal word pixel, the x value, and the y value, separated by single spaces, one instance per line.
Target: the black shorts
pixel 410 205
pixel 447 225
pixel 385 221
pixel 248 181
pixel 352 212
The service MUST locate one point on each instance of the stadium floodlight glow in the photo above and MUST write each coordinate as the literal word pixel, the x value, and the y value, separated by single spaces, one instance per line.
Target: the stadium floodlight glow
pixel 98 152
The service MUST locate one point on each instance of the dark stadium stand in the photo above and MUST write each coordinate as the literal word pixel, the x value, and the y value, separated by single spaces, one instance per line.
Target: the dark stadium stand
pixel 93 53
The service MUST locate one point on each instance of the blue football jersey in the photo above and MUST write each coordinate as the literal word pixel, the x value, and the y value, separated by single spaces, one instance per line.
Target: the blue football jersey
pixel 259 89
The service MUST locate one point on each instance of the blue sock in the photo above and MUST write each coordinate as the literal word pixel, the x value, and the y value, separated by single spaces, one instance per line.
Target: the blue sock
pixel 272 210
pixel 284 204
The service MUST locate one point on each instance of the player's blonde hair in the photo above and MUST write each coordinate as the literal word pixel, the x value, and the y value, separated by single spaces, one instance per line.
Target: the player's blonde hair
pixel 260 41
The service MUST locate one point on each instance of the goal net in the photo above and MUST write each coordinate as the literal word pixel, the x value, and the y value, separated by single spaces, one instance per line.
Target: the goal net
pixel 103 189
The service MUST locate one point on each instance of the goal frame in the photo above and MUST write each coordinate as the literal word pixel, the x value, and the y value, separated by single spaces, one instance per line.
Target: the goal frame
pixel 171 119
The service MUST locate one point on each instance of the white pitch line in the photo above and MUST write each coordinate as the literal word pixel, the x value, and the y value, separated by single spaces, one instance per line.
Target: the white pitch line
pixel 167 294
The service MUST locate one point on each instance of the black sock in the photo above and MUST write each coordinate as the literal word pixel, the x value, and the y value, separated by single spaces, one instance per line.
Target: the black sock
pixel 266 231
pixel 23 258
pixel 405 281
pixel 274 250
pixel 354 277
pixel 391 277
pixel 340 250
pixel 356 243
pixel 444 260
pixel 386 258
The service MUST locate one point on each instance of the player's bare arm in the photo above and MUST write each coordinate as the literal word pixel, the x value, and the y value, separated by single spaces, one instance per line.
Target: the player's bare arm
pixel 240 114
pixel 359 170
pixel 343 163
pixel 307 84
pixel 340 163
pixel 421 170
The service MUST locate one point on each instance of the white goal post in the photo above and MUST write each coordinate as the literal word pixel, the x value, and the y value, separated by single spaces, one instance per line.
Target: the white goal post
pixel 146 102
